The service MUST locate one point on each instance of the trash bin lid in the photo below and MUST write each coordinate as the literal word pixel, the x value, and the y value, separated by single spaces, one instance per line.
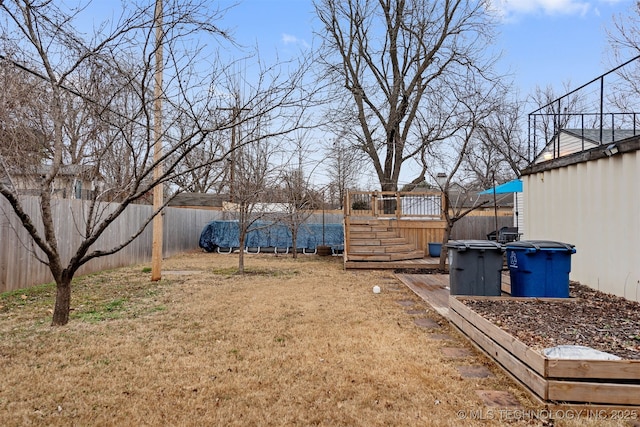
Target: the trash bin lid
pixel 463 245
pixel 541 245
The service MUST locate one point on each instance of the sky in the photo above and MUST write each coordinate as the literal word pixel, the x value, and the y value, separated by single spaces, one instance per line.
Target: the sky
pixel 544 42
pixel 556 43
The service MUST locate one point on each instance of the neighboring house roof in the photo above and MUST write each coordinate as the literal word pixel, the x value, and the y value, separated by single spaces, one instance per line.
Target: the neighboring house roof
pixel 199 199
pixel 486 200
pixel 65 170
pixel 71 181
pixel 502 200
pixel 461 198
pixel 570 141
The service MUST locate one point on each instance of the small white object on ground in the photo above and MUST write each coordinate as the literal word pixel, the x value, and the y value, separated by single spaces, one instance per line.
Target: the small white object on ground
pixel 376 289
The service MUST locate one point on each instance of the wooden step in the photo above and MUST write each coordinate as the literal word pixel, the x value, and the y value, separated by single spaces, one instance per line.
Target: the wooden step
pixel 382 257
pixel 387 265
pixel 378 242
pixel 386 256
pixel 404 248
pixel 415 254
pixel 373 234
pixel 374 240
pixel 384 222
pixel 367 250
pixel 368 228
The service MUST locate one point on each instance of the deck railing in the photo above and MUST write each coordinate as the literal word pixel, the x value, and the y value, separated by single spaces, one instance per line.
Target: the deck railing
pixel 390 204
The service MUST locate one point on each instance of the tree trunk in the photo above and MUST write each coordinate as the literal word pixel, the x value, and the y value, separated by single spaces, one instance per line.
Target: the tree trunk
pixel 389 205
pixel 294 238
pixel 444 250
pixel 63 303
pixel 389 186
pixel 241 254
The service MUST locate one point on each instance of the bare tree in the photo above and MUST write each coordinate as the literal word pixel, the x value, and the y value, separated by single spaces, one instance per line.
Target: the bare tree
pixel 624 36
pixel 298 202
pixel 389 58
pixel 24 141
pixel 254 175
pixel 500 148
pixel 473 103
pixel 344 167
pixel 624 40
pixel 112 76
pixel 296 187
pixel 212 178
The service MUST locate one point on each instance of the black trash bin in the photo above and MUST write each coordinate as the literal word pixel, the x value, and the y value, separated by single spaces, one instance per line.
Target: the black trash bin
pixel 539 268
pixel 475 267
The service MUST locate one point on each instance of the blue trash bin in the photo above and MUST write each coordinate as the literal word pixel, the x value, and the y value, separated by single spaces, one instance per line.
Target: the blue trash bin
pixel 539 268
pixel 475 267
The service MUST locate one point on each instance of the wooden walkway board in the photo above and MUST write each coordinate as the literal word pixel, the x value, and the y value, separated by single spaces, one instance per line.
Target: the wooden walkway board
pixel 419 263
pixel 433 288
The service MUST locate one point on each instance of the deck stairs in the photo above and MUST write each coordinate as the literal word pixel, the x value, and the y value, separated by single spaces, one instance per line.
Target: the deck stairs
pixel 378 240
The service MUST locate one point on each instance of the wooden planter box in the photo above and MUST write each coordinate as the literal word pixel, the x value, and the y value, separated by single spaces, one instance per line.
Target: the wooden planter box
pixel 552 380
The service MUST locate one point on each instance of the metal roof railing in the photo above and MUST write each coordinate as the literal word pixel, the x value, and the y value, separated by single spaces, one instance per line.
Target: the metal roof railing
pixel 601 111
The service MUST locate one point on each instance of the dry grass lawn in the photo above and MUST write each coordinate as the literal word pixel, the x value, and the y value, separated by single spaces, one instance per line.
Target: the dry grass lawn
pixel 293 342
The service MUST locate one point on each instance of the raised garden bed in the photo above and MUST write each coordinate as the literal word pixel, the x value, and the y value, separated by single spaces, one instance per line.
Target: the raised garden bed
pixel 600 382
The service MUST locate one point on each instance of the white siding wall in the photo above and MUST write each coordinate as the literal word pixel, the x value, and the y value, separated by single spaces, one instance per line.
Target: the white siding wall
pixel 595 206
pixel 518 207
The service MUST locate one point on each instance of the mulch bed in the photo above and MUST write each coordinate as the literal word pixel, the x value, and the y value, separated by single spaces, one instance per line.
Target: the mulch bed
pixel 593 319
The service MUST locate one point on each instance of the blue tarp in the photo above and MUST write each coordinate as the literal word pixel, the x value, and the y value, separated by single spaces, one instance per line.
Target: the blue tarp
pixel 225 234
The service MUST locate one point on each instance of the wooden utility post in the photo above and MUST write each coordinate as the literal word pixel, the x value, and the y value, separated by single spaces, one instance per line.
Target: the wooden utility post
pixel 158 190
pixel 495 206
pixel 232 172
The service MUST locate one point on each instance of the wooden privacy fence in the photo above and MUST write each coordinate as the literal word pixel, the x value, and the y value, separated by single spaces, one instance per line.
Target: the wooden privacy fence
pixel 477 227
pixel 20 269
pixel 182 229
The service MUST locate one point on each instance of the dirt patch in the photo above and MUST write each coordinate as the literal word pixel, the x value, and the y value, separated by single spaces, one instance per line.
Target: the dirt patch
pixel 590 318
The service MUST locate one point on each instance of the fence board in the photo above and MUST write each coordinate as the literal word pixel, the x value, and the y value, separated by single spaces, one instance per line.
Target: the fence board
pixel 477 227
pixel 20 269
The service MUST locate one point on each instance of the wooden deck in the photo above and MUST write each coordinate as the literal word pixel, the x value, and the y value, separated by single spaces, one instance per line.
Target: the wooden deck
pixel 384 241
pixel 411 264
pixel 391 229
pixel 434 288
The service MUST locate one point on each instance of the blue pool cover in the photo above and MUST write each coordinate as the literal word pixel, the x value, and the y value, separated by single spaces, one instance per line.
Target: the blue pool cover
pixel 224 234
